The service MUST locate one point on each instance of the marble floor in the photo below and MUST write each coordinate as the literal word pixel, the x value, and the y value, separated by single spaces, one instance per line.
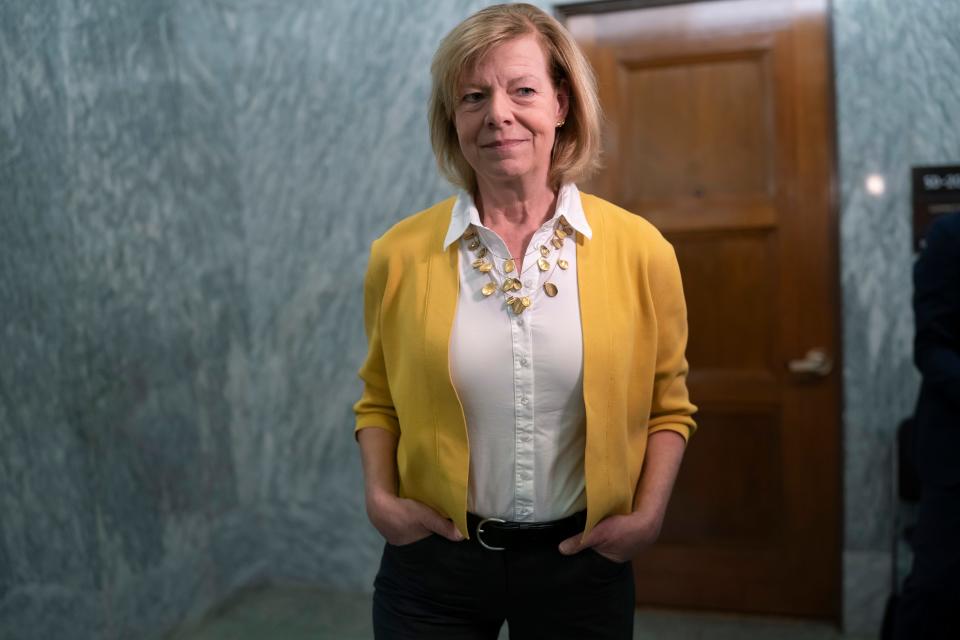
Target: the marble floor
pixel 299 613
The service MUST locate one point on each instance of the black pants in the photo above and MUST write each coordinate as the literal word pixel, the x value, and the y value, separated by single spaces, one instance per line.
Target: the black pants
pixel 930 605
pixel 435 588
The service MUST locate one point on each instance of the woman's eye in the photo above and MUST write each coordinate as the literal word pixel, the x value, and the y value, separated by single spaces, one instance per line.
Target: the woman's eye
pixel 526 92
pixel 473 98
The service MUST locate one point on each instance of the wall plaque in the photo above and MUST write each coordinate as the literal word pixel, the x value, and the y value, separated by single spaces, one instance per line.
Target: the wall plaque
pixel 936 191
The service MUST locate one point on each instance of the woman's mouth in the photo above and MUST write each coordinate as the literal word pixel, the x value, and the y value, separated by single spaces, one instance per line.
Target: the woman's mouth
pixel 502 144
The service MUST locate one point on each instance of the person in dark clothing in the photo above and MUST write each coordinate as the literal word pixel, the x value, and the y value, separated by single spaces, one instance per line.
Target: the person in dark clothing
pixel 930 605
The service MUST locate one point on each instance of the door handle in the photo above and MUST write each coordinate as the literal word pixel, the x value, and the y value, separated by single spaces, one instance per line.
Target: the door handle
pixel 816 363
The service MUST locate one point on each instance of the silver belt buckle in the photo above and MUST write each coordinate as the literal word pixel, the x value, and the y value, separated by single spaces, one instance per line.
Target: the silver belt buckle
pixel 480 531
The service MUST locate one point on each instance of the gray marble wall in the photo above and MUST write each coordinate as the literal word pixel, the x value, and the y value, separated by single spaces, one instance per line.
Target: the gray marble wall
pixel 898 105
pixel 187 195
pixel 123 304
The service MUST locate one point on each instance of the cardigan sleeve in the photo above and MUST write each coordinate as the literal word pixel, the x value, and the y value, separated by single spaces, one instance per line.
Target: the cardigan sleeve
pixel 671 408
pixel 375 407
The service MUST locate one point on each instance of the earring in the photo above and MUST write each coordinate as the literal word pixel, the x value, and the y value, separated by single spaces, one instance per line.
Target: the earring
pixel 560 123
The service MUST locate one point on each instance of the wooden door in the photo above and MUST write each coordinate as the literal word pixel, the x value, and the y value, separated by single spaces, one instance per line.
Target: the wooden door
pixel 720 132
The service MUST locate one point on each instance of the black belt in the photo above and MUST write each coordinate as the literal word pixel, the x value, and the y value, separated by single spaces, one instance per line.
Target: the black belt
pixel 498 535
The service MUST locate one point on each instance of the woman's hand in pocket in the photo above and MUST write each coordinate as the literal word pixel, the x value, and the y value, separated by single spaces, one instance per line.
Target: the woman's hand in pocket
pixel 617 538
pixel 402 521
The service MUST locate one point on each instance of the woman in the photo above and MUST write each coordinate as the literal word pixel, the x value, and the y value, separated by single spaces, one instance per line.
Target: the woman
pixel 525 409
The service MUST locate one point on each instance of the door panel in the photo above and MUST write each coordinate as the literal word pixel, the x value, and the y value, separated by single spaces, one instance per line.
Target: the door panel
pixel 720 133
pixel 681 111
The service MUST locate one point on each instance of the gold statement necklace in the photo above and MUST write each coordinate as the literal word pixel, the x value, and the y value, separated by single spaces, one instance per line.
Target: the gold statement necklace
pixel 484 262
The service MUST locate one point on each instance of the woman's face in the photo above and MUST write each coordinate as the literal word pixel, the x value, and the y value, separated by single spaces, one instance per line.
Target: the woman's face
pixel 507 113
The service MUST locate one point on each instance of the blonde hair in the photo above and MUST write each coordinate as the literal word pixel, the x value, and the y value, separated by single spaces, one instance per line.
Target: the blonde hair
pixel 576 152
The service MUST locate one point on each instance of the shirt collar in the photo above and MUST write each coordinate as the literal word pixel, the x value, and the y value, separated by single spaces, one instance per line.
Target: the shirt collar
pixel 465 213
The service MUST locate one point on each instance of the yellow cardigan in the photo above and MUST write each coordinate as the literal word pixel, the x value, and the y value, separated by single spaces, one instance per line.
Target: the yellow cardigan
pixel 634 368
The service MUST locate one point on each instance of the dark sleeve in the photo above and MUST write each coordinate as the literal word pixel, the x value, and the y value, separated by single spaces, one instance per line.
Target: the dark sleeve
pixel 936 307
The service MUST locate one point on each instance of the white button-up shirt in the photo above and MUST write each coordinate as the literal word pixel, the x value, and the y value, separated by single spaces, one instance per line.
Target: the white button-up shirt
pixel 519 377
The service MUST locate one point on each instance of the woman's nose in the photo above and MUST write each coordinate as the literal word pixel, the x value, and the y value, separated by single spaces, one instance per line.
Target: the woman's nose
pixel 498 112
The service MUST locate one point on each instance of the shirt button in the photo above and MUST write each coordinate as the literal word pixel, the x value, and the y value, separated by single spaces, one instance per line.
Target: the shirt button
pixel 524 401
pixel 523 361
pixel 528 283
